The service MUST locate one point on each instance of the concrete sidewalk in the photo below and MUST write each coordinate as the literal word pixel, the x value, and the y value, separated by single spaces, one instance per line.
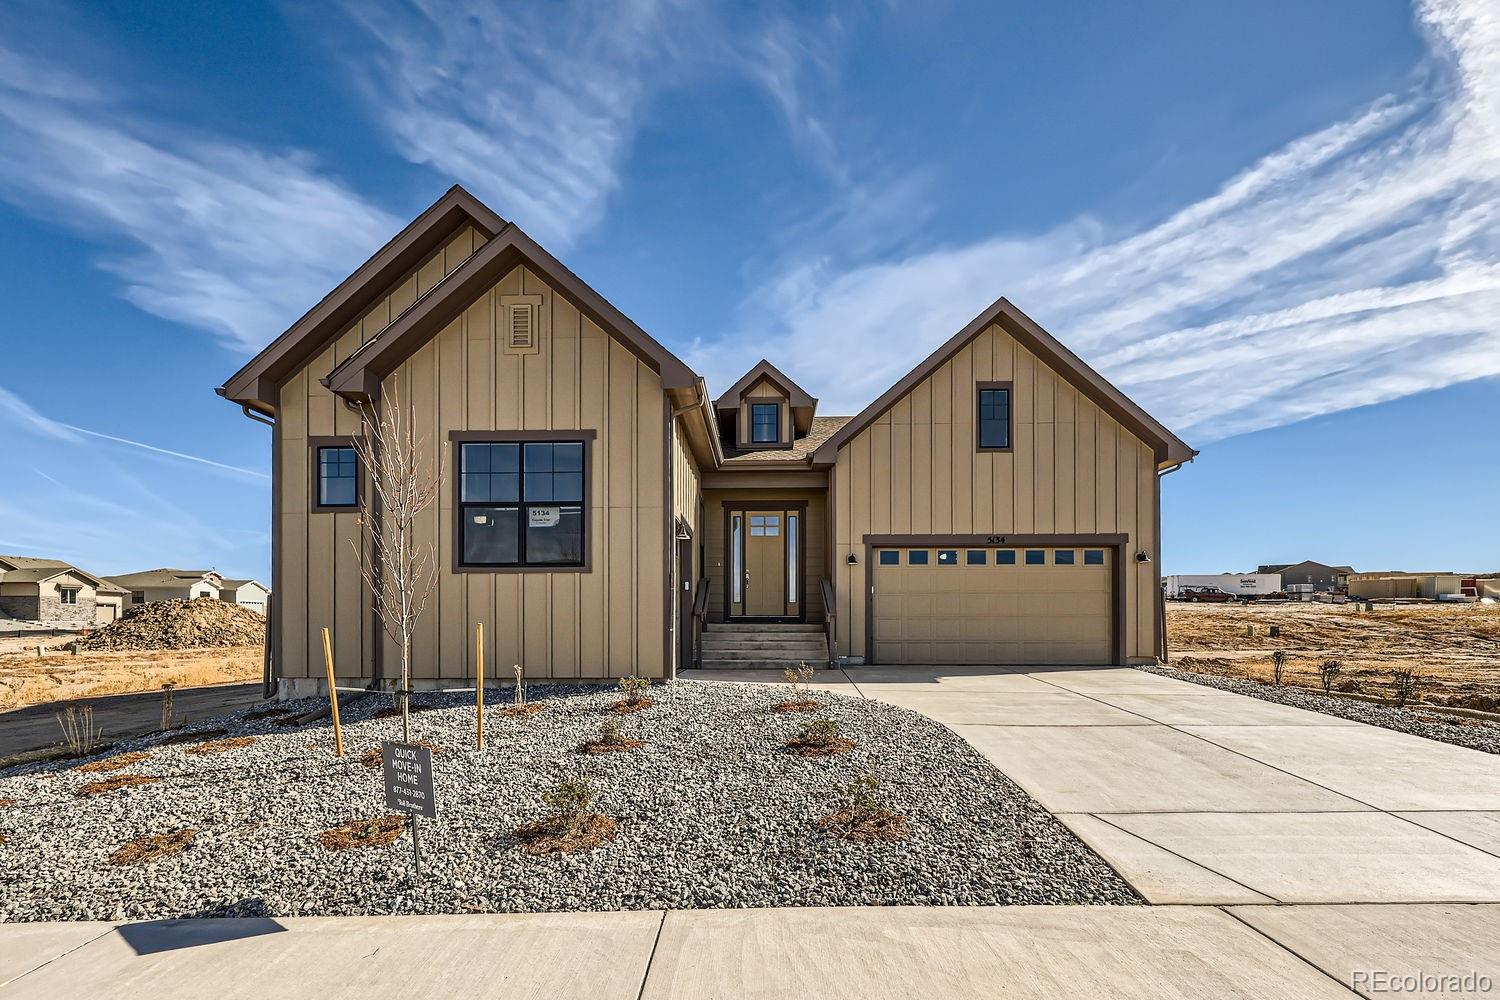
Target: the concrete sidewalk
pixel 1197 795
pixel 1151 953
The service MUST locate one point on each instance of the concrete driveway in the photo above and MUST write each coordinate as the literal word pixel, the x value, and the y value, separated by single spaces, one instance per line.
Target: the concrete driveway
pixel 1197 795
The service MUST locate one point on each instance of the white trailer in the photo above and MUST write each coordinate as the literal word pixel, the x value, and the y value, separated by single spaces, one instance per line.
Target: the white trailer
pixel 1238 585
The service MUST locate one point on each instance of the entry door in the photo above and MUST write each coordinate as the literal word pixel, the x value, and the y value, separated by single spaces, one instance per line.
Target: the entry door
pixel 765 563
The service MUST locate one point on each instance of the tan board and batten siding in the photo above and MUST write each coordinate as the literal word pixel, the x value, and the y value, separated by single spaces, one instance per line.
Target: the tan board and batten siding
pixel 1073 469
pixel 598 624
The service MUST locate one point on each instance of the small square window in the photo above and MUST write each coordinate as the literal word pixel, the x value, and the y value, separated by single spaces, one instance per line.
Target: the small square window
pixel 947 557
pixel 916 557
pixel 1063 557
pixel 1093 557
pixel 890 557
pixel 1005 557
pixel 1036 557
pixel 975 557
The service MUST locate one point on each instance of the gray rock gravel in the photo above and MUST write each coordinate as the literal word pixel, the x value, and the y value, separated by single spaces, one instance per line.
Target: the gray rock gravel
pixel 711 814
pixel 1476 734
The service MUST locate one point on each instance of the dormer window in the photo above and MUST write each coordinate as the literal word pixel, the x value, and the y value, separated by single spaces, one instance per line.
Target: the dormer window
pixel 765 423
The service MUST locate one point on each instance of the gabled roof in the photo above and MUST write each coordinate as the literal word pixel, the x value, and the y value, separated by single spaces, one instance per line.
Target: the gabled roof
pixel 730 400
pixel 27 569
pixel 359 376
pixel 255 384
pixel 1170 450
pixel 165 577
pixel 803 405
pixel 801 451
pixel 237 584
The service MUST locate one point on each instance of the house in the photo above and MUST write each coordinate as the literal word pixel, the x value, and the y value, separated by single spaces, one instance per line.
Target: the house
pixel 250 594
pixel 1310 577
pixel 57 593
pixel 603 515
pixel 152 585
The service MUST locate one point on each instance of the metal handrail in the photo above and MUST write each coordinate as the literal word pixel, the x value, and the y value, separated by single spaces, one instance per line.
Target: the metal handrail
pixel 700 612
pixel 825 587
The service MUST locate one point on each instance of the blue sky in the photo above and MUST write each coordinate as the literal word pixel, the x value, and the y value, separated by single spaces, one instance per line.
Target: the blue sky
pixel 1276 225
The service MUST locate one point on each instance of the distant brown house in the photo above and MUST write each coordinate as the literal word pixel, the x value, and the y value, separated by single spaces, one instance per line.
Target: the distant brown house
pixel 57 593
pixel 604 515
pixel 1322 577
pixel 152 585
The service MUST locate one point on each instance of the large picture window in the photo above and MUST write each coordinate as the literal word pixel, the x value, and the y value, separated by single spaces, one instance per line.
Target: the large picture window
pixel 765 423
pixel 993 416
pixel 522 503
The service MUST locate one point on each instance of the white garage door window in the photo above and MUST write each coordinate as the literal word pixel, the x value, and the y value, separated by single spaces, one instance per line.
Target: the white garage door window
pixel 1022 605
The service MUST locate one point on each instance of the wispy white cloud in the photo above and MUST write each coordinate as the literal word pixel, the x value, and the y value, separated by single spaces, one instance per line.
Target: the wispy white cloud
pixel 22 415
pixel 1355 265
pixel 219 235
pixel 532 106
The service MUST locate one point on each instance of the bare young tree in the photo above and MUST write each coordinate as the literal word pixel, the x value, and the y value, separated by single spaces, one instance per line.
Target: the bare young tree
pixel 400 571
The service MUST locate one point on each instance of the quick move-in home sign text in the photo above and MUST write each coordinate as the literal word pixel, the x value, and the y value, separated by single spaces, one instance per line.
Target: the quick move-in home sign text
pixel 408 778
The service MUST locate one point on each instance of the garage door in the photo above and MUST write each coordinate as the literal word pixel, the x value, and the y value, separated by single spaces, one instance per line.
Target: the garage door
pixel 992 605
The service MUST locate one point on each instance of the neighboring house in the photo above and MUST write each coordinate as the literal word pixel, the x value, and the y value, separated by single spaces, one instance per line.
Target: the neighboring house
pixel 1320 577
pixel 57 593
pixel 152 585
pixel 247 593
pixel 998 504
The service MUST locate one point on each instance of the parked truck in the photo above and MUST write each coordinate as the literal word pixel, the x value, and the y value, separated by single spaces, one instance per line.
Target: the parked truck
pixel 1240 586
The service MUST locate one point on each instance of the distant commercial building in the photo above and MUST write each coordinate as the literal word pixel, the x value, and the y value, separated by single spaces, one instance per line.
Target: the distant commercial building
pixel 1396 585
pixel 1310 577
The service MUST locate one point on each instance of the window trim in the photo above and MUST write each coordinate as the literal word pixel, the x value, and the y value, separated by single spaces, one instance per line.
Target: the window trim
pixel 63 592
pixel 459 438
pixel 314 495
pixel 768 442
pixel 1010 389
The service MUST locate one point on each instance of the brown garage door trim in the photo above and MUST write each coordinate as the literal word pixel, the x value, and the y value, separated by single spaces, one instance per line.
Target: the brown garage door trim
pixel 1112 541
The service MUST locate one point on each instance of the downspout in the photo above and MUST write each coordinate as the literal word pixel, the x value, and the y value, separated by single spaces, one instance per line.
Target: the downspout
pixel 1161 602
pixel 269 682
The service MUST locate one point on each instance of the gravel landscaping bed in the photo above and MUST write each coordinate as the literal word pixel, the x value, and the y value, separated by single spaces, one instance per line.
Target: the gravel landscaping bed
pixel 1476 734
pixel 711 812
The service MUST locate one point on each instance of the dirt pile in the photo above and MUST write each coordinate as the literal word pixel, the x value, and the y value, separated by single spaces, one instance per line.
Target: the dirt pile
pixel 195 624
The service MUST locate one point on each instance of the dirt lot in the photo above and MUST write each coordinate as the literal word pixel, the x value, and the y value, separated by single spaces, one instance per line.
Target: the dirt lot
pixel 1454 647
pixel 27 679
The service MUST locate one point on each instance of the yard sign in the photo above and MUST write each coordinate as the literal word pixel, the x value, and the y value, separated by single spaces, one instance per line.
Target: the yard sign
pixel 408 778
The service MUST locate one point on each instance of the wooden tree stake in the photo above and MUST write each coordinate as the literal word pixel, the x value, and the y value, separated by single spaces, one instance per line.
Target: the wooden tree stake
pixel 479 681
pixel 333 696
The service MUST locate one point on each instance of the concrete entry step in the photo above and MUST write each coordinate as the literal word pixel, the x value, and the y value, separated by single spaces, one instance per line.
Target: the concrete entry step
pixel 768 628
pixel 710 663
pixel 816 653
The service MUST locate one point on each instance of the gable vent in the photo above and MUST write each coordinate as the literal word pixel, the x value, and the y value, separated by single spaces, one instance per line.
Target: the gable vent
pixel 521 323
pixel 522 328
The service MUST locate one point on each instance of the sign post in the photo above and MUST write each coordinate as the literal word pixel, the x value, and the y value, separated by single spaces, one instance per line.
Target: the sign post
pixel 409 786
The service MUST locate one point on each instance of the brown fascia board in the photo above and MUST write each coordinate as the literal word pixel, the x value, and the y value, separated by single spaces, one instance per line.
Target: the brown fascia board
pixel 359 376
pixel 1170 450
pixel 797 396
pixel 255 384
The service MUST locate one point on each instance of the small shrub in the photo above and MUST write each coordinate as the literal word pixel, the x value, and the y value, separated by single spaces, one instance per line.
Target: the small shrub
pixel 801 699
pixel 1404 683
pixel 609 740
pixel 79 731
pixel 153 847
pixel 634 689
pixel 110 784
pixel 118 762
pixel 1278 666
pixel 569 825
pixel 375 832
pixel 819 738
pixel 220 746
pixel 861 818
pixel 1328 672
pixel 520 685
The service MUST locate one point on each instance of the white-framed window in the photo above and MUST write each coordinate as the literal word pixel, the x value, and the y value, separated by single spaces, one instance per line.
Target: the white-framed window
pixel 68 595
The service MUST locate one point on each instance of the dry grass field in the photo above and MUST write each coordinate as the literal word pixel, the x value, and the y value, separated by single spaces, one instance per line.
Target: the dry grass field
pixel 1455 648
pixel 28 679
